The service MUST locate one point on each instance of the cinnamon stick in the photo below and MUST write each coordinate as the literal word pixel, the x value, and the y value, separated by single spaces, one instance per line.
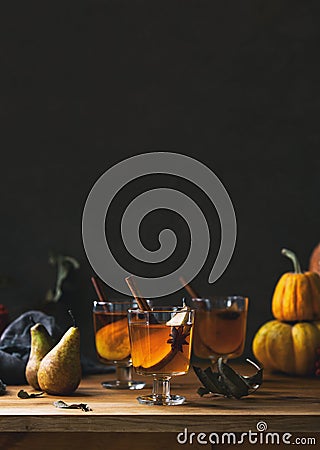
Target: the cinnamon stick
pixel 142 302
pixel 98 288
pixel 189 289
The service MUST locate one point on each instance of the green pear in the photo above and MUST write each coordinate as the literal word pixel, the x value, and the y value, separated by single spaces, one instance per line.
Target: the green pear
pixel 60 370
pixel 41 344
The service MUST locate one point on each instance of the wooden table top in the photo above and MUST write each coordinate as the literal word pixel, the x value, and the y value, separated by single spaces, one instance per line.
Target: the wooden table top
pixel 284 403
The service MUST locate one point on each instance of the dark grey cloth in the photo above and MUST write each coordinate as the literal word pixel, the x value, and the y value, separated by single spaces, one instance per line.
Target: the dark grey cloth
pixel 15 345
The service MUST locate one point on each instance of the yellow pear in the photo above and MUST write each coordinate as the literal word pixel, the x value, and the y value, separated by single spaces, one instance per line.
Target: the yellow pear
pixel 41 344
pixel 60 370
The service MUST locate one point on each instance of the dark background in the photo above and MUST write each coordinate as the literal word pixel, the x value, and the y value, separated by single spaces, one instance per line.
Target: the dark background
pixel 87 84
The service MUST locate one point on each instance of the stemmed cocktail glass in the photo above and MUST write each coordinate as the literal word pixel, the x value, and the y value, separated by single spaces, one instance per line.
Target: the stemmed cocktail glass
pixel 161 340
pixel 112 341
pixel 220 327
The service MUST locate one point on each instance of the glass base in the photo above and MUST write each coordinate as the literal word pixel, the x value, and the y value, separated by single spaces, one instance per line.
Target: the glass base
pixel 161 400
pixel 115 384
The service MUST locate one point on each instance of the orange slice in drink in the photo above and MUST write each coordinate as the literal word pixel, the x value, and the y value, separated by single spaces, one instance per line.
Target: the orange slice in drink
pixel 112 341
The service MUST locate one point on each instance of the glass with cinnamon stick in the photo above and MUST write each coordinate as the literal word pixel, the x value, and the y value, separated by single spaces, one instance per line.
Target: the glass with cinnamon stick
pixel 112 341
pixel 220 326
pixel 161 340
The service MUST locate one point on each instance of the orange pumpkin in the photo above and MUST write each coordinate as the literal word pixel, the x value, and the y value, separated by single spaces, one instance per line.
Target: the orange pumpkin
pixel 288 348
pixel 314 264
pixel 297 295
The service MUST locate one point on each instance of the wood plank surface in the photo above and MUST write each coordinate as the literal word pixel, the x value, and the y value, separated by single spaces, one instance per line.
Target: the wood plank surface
pixel 88 441
pixel 284 403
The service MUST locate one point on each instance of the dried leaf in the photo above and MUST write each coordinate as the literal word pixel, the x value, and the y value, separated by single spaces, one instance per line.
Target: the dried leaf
pixel 208 381
pixel 227 381
pixel 25 394
pixel 235 384
pixel 3 388
pixel 203 391
pixel 83 406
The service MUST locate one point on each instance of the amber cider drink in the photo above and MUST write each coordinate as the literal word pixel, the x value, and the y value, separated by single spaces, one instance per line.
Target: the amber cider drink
pixel 160 349
pixel 220 327
pixel 161 340
pixel 111 336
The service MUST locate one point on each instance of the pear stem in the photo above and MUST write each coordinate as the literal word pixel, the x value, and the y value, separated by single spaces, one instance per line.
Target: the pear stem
pixel 289 254
pixel 72 317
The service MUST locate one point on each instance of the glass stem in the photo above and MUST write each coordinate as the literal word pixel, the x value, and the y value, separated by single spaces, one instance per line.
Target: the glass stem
pixel 123 373
pixel 161 388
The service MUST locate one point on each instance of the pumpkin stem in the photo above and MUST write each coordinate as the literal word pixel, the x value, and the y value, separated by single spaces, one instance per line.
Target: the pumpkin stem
pixel 289 254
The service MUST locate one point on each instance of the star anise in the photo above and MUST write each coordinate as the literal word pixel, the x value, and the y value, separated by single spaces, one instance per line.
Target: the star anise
pixel 178 338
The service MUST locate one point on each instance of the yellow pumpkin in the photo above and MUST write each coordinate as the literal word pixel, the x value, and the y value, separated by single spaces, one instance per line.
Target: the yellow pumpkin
pixel 297 295
pixel 288 348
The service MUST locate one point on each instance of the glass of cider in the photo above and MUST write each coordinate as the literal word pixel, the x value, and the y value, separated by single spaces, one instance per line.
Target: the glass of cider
pixel 220 327
pixel 161 340
pixel 112 341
